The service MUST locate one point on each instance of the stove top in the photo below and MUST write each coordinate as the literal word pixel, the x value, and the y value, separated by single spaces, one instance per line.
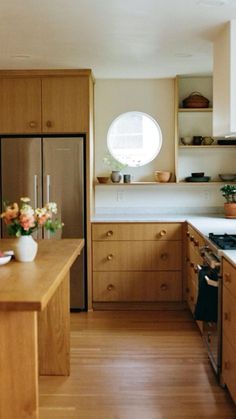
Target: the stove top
pixel 224 241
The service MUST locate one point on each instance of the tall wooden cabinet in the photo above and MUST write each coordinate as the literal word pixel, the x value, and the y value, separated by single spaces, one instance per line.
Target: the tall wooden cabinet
pixel 60 102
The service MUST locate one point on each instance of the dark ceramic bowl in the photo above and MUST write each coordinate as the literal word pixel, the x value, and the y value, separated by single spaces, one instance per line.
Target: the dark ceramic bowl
pixel 197 174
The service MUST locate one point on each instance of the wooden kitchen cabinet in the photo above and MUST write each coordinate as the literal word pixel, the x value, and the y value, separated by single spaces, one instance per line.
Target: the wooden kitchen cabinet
pixel 20 105
pixel 194 242
pixel 136 263
pixel 44 102
pixel 65 104
pixel 229 327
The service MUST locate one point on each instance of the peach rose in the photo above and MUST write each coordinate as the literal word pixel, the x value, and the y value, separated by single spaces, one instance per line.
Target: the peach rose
pixel 27 222
pixel 11 213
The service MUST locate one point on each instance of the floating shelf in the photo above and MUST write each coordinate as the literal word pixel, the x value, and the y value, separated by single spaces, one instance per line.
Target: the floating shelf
pixel 207 146
pixel 187 110
pixel 182 182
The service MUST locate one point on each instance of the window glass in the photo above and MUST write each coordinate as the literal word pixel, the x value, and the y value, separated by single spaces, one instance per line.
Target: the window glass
pixel 134 138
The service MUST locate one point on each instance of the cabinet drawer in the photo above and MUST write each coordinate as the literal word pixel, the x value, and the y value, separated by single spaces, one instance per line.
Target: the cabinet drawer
pixel 229 277
pixel 136 231
pixel 229 367
pixel 137 286
pixel 229 317
pixel 137 256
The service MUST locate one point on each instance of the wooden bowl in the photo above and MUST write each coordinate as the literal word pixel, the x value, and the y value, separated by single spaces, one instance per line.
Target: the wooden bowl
pixel 103 179
pixel 162 176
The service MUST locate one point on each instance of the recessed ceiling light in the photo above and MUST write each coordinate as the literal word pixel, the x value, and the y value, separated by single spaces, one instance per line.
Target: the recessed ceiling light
pixel 212 3
pixel 21 56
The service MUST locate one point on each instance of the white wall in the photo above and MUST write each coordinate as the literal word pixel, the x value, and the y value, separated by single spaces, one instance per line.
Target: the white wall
pixel 156 98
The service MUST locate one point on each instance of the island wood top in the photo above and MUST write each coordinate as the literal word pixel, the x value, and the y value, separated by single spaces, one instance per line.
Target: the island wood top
pixel 30 285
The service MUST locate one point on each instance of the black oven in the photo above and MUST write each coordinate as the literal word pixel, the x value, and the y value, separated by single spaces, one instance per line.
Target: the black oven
pixel 208 306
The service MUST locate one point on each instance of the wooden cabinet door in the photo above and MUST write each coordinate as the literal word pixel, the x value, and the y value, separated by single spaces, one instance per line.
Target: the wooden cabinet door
pixel 65 107
pixel 20 105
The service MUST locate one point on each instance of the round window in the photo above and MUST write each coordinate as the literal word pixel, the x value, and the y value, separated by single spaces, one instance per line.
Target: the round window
pixel 134 138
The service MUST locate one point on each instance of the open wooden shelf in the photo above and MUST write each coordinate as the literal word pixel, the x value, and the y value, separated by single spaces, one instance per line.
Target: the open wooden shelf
pixel 207 146
pixel 187 110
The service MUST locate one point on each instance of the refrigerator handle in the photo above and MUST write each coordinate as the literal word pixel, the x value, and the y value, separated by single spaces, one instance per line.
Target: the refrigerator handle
pixel 48 178
pixel 36 191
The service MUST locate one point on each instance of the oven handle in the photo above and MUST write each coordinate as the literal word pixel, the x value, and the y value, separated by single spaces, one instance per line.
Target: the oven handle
pixel 211 282
pixel 209 257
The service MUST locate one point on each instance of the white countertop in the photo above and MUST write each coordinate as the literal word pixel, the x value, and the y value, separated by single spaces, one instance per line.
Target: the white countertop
pixel 205 224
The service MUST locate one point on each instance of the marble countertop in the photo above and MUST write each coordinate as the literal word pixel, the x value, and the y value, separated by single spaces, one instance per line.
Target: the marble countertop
pixel 204 224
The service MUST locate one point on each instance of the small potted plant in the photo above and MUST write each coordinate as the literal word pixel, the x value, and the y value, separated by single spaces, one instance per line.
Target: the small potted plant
pixel 115 167
pixel 229 193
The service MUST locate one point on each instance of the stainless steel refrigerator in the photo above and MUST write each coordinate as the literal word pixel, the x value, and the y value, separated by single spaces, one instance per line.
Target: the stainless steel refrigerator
pixel 50 169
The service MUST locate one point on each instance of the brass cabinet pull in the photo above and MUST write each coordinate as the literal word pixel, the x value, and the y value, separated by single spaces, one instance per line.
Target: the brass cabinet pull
pixel 110 287
pixel 32 124
pixel 109 233
pixel 162 233
pixel 227 277
pixel 227 365
pixel 49 124
pixel 164 256
pixel 227 316
pixel 164 287
pixel 109 257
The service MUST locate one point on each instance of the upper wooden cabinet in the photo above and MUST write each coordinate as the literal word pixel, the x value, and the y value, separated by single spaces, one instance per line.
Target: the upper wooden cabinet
pixel 45 101
pixel 65 104
pixel 20 105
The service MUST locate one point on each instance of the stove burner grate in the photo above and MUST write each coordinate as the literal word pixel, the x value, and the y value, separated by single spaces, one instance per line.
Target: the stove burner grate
pixel 224 241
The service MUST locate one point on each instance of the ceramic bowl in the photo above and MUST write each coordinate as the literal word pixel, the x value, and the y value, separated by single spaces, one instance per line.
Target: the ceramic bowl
pixel 186 140
pixel 5 259
pixel 227 177
pixel 162 176
pixel 103 179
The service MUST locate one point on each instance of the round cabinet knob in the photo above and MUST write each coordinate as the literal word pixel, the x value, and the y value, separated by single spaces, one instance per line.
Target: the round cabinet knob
pixel 110 287
pixel 164 287
pixel 195 269
pixel 162 233
pixel 109 233
pixel 191 238
pixel 196 243
pixel 32 124
pixel 109 257
pixel 227 277
pixel 187 233
pixel 49 124
pixel 192 265
pixel 164 256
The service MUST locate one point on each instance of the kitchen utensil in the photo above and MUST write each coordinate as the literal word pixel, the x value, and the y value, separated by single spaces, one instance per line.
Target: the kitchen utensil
pixel 195 100
pixel 227 176
pixel 198 179
pixel 162 176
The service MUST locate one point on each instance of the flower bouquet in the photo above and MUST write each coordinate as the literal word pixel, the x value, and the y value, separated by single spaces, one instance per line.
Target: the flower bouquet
pixel 23 220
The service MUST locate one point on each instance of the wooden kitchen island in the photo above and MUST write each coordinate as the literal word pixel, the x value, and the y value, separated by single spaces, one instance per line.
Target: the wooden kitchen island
pixel 34 323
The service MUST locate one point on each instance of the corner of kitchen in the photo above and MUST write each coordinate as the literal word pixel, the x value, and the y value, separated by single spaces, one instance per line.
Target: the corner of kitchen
pixel 118 242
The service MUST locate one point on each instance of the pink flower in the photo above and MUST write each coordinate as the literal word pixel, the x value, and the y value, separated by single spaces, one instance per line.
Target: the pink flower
pixel 27 221
pixel 43 218
pixel 11 213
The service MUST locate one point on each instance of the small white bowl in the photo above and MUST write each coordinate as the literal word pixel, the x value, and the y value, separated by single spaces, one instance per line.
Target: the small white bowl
pixel 5 259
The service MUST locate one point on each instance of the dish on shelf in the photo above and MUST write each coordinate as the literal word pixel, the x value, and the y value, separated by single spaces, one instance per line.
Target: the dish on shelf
pixel 186 140
pixel 162 176
pixel 198 179
pixel 103 179
pixel 227 177
pixel 197 174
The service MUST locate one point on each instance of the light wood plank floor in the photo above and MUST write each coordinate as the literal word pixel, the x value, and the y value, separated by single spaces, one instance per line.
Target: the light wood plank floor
pixel 135 365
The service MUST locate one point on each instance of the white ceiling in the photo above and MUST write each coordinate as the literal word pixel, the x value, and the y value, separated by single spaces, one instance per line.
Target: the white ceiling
pixel 115 38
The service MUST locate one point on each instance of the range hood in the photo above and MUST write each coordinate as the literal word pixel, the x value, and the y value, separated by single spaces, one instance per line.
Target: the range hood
pixel 224 82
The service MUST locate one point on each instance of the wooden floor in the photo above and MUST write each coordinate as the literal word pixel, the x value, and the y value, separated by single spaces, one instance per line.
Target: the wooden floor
pixel 135 365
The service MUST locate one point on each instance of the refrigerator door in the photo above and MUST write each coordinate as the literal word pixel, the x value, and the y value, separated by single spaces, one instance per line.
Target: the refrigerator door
pixel 63 183
pixel 21 171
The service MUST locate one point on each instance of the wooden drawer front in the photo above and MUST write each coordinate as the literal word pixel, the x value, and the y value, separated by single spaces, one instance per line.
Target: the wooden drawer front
pixel 137 256
pixel 229 277
pixel 229 317
pixel 229 367
pixel 135 231
pixel 137 286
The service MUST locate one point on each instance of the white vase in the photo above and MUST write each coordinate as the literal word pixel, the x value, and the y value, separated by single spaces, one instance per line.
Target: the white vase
pixel 25 249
